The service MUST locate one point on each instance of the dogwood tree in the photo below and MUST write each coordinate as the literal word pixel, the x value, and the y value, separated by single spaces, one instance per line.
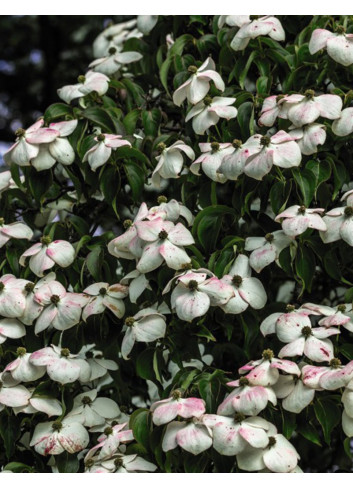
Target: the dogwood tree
pixel 175 249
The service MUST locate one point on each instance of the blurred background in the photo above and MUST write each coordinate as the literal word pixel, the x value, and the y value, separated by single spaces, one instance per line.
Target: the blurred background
pixel 41 53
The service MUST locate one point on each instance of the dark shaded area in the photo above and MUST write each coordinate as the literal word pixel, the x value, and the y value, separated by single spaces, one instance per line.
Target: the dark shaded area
pixel 39 55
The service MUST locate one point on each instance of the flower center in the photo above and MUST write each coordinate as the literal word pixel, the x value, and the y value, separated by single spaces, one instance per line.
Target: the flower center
pixel 243 381
pixel 21 351
pixel 45 240
pixel 162 199
pixel 192 69
pixel 81 79
pixel 161 147
pixel 103 291
pixel 20 133
pixel 129 321
pixel 265 141
pixel 112 50
pixel 2 221
pixel 279 98
pixel 340 29
pixel 65 352
pixel 193 285
pixel 86 401
pixel 163 234
pixel 118 462
pixel 269 237
pixel 127 223
pixel 29 287
pixel 89 462
pixel 2 286
pixel 341 308
pixel 348 211
pixel 302 209
pixel 290 308
pixel 306 331
pixel 100 137
pixel 57 425
pixel 108 431
pixel 186 266
pixel 176 394
pixel 267 354
pixel 55 299
pixel 215 146
pixel 237 280
pixel 238 418
pixel 271 441
pixel 335 363
pixel 310 94
pixel 237 143
pixel 207 100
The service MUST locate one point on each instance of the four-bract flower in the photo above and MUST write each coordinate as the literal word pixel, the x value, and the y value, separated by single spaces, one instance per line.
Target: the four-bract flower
pixel 147 325
pixel 90 410
pixel 294 394
pixel 298 218
pixel 170 160
pixel 16 230
pixel 339 45
pixel 193 436
pixel 46 254
pixel 53 438
pixel 198 85
pixel 90 82
pixel 12 298
pixel 21 369
pixel 332 377
pixel 113 35
pixel 340 315
pixel 166 410
pixel 114 60
pixel 264 26
pixel 11 328
pixel 120 464
pixel 233 164
pixel 100 153
pixel 305 109
pixel 101 296
pixel 308 137
pixel 344 125
pixel 267 249
pixel 280 150
pixel 247 290
pixel 211 158
pixel 273 107
pixel 165 242
pixel 339 224
pixel 208 112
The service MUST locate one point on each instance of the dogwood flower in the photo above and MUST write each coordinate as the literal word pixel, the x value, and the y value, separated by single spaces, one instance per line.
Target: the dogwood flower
pixel 90 82
pixel 295 394
pixel 11 328
pixel 15 230
pixel 208 111
pixel 113 35
pixel 166 410
pixel 100 153
pixel 61 365
pixel 233 164
pixel 32 308
pixel 291 316
pixel 170 211
pixel 305 109
pixel 339 45
pixel 90 410
pixel 264 26
pixel 280 150
pixel 332 377
pixel 120 464
pixel 109 441
pixel 113 61
pixel 147 325
pixel 99 365
pixel 233 20
pixel 273 107
pixel 170 160
pixel 265 371
pixel 195 292
pixel 247 290
pixel 12 298
pixel 61 309
pixel 145 23
pixel 343 126
pixel 54 438
pixel 246 399
pixel 298 218
pixel 197 86
pixel 211 158
pixel 267 249
pixel 139 283
pixel 279 456
pixel 46 254
pixel 105 296
pixel 13 395
pixel 341 315
pixel 164 241
pixel 6 181
pixel 28 142
pixel 309 137
pixel 193 436
pixel 49 406
pixel 339 224
pixel 22 370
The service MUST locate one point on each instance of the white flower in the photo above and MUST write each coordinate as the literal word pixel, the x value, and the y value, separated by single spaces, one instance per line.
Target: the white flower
pixel 296 396
pixel 32 308
pixel 120 464
pixel 90 82
pixel 233 20
pixel 13 395
pixel 197 86
pixel 297 219
pixel 112 63
pixel 208 111
pixel 247 290
pixel 147 325
pixel 339 45
pixel 343 126
pixel 100 153
pixel 280 149
pixel 145 23
pixel 308 137
pixel 233 164
pixel 90 410
pixel 105 296
pixel 339 224
pixel 211 158
pixel 54 438
pixel 114 35
pixel 264 26
pixel 61 365
pixel 332 377
pixel 170 161
pixel 305 109
pixel 98 364
pixel 273 107
pixel 267 249
pixel 194 436
pixel 22 370
pixel 46 254
pixel 11 328
pixel 12 298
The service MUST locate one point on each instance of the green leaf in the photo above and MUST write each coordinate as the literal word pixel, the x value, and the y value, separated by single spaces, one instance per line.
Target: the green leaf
pixel 306 180
pixel 67 463
pixel 100 116
pixel 310 433
pixel 329 415
pixel 247 68
pixel 151 120
pixel 136 178
pixel 163 73
pixel 39 183
pixel 320 169
pixel 57 111
pixel 131 119
pixel 18 467
pixel 141 427
pixel 209 389
pixel 144 365
pixel 10 432
pixel 195 463
pixel 109 183
pixel 305 267
pixel 94 262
